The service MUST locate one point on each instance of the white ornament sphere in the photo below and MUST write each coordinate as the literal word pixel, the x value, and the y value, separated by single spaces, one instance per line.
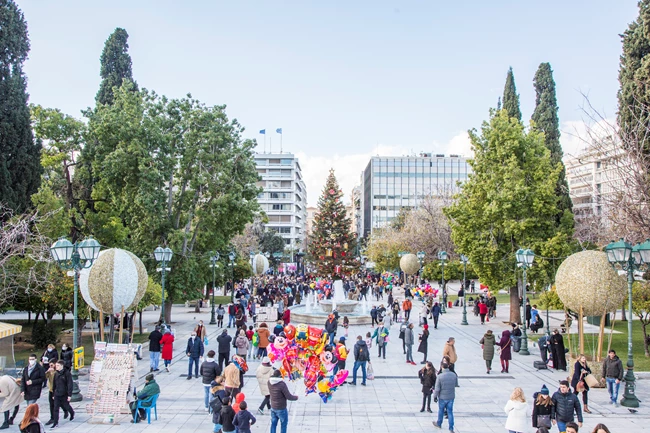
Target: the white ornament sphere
pixel 260 264
pixel 409 263
pixel 587 280
pixel 117 279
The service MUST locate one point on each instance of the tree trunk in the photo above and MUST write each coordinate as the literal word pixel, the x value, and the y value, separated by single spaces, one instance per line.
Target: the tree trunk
pixel 36 317
pixel 168 311
pixel 29 317
pixel 601 337
pixel 140 320
pixel 581 332
pixel 196 308
pixel 623 317
pixel 515 315
pixel 645 339
pixel 62 319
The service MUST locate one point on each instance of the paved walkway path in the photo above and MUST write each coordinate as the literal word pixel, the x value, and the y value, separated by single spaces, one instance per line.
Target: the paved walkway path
pixel 390 403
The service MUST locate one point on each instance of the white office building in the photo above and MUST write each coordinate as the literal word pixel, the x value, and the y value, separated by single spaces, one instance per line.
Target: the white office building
pixel 401 182
pixel 284 198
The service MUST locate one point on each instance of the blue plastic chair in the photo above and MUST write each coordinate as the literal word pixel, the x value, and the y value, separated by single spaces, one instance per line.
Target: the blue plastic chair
pixel 153 399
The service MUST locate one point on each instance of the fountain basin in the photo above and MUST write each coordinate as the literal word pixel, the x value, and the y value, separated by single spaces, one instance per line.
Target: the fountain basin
pixel 299 314
pixel 342 307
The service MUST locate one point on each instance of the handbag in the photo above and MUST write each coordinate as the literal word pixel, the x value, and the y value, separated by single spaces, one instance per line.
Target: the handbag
pixel 544 421
pixel 591 380
pixel 580 387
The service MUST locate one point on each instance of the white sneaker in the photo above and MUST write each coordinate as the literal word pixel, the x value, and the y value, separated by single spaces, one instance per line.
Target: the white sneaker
pixel 206 409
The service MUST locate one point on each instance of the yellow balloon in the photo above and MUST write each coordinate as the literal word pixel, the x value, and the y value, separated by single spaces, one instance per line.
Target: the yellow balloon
pixel 323 386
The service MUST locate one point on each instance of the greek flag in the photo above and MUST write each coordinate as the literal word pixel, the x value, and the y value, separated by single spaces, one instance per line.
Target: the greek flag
pixel 279 130
pixel 263 131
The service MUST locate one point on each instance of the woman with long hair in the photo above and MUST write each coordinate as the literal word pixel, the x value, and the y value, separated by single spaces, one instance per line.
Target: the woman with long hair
pixel 517 411
pixel 542 408
pixel 580 370
pixel 427 377
pixel 601 428
pixel 30 422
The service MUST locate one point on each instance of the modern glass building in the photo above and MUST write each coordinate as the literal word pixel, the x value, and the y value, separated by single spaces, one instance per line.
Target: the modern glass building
pixel 397 182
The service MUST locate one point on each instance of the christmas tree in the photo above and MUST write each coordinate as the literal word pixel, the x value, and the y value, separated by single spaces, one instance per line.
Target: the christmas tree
pixel 331 242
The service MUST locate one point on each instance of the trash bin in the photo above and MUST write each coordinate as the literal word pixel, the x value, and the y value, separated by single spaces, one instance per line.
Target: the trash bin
pixel 595 320
pixel 450 304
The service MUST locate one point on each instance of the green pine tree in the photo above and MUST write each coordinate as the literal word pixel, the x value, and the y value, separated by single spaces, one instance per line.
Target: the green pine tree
pixel 546 120
pixel 634 78
pixel 116 65
pixel 331 243
pixel 20 165
pixel 510 97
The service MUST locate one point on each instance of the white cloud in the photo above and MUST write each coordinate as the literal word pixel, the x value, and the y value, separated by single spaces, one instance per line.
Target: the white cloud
pixel 578 134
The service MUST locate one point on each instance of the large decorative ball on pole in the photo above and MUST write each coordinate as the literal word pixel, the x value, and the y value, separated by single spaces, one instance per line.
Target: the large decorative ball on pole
pixel 587 280
pixel 410 264
pixel 260 264
pixel 117 279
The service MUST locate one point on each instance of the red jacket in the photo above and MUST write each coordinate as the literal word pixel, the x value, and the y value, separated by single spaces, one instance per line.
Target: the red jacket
pixel 482 308
pixel 168 346
pixel 286 317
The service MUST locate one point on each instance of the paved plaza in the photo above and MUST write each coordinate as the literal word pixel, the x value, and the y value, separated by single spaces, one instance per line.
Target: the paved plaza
pixel 390 403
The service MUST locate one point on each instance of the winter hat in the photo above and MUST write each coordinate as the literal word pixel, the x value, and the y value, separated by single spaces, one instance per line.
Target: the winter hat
pixel 266 360
pixel 544 390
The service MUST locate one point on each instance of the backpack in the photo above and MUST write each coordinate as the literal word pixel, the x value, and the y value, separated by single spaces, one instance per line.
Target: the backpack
pixel 255 340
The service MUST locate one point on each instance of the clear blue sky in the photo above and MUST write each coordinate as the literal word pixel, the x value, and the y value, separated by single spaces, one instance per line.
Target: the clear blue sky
pixel 339 77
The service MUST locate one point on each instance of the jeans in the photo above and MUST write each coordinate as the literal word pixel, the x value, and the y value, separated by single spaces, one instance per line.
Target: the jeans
pixel 154 359
pixel 449 405
pixel 231 320
pixel 261 352
pixel 332 337
pixel 266 402
pixel 194 361
pixel 561 426
pixel 407 314
pixel 167 362
pixel 216 429
pixel 382 349
pixel 612 388
pixel 208 396
pixel 358 364
pixel 409 353
pixel 28 402
pixel 281 415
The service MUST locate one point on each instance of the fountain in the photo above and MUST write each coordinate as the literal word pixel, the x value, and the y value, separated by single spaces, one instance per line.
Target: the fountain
pixel 357 312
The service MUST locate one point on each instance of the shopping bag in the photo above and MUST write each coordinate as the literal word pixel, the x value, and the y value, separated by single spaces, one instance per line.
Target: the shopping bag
pixel 591 380
pixel 550 363
pixel 370 373
pixel 205 341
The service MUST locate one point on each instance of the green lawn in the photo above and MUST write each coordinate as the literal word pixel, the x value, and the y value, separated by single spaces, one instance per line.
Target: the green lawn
pixel 619 344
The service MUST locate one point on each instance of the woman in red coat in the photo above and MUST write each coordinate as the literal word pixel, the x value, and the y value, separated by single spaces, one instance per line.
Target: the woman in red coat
pixel 167 342
pixel 286 317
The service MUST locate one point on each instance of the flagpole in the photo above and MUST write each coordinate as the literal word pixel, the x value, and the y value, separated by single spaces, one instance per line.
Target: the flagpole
pixel 270 144
pixel 280 142
pixel 265 142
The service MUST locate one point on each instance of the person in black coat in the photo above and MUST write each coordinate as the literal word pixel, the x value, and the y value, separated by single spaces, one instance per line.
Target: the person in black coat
pixel 424 344
pixel 224 348
pixel 32 381
pixel 154 348
pixel 49 356
pixel 580 370
pixel 194 351
pixel 558 353
pixel 427 377
pixel 62 390
pixel 66 355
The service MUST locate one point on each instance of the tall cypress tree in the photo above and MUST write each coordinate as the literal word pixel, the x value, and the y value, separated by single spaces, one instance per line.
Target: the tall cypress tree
pixel 510 97
pixel 116 65
pixel 20 155
pixel 546 120
pixel 634 78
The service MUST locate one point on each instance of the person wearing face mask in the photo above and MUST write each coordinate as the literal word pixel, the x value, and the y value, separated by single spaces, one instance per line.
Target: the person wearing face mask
pixel 32 381
pixel 66 356
pixel 62 389
pixel 49 356
pixel 200 330
pixel 194 353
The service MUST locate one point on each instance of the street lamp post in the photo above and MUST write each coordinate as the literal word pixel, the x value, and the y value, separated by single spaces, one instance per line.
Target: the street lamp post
pixel 421 255
pixel 75 257
pixel 464 259
pixel 231 257
pixel 277 256
pixel 525 260
pixel 214 261
pixel 442 256
pixel 630 259
pixel 163 256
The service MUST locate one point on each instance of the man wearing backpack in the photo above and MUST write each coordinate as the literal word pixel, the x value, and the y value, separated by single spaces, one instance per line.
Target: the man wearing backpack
pixel 361 357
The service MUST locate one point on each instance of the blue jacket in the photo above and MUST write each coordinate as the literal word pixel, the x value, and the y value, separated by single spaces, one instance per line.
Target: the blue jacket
pixel 194 347
pixel 435 310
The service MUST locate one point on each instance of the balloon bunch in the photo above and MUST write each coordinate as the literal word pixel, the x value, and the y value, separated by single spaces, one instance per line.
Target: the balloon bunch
pixel 426 291
pixel 302 352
